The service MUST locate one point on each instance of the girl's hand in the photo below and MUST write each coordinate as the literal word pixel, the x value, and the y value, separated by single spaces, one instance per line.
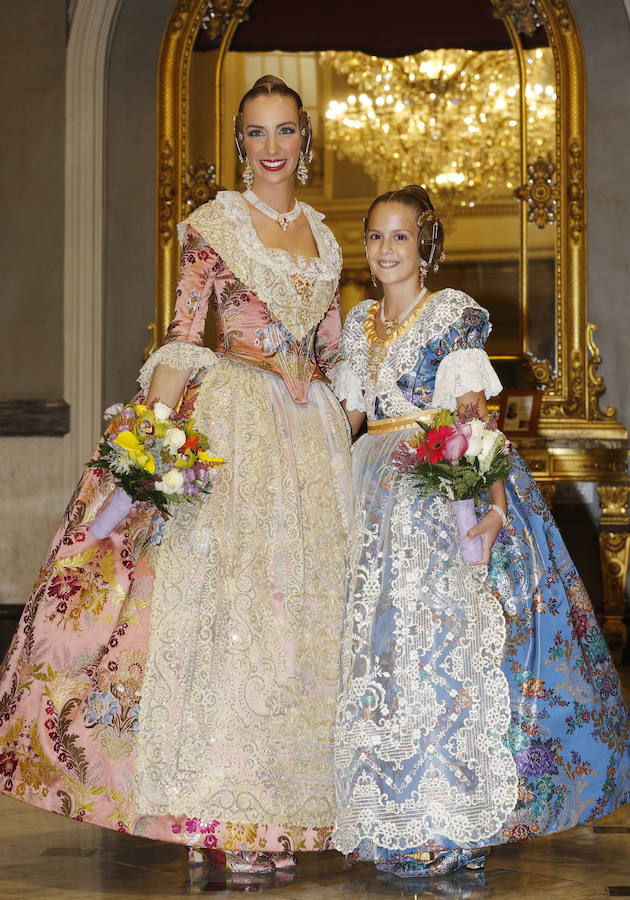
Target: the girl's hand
pixel 489 528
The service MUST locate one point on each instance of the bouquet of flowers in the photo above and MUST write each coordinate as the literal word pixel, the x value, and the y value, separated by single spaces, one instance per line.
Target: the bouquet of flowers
pixel 156 456
pixel 458 458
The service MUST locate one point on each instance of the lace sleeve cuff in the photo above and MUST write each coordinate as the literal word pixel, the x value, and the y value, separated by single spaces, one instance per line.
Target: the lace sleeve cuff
pixel 347 386
pixel 177 355
pixel 463 371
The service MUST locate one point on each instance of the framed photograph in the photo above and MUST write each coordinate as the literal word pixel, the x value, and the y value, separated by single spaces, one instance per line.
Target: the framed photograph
pixel 518 412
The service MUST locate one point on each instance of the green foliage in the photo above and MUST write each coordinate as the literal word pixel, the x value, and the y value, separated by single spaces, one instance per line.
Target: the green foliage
pixel 136 482
pixel 460 481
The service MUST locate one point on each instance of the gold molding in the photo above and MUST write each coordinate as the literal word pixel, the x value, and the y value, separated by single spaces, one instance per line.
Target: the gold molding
pixel 540 193
pixel 523 13
pixel 201 184
pixel 564 17
pixel 575 191
pixel 172 175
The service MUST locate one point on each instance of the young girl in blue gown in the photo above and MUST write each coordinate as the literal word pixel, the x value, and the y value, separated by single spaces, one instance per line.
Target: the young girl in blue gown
pixel 479 704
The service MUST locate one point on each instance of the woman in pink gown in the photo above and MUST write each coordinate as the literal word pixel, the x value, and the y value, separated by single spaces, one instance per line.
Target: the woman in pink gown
pixel 178 680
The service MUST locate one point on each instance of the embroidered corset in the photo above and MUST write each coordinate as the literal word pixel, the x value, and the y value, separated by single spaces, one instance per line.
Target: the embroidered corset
pixel 436 356
pixel 273 310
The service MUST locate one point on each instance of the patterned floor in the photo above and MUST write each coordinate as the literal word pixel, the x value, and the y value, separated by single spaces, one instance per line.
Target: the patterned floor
pixel 47 857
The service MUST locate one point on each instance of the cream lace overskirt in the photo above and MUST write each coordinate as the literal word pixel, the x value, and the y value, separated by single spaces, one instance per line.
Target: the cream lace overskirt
pixel 423 705
pixel 236 717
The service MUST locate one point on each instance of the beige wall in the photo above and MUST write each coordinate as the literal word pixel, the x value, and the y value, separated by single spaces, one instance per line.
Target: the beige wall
pixel 32 91
pixel 130 260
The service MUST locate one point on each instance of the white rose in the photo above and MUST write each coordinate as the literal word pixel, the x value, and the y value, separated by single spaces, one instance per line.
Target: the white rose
pixel 475 441
pixel 162 412
pixel 490 442
pixel 171 482
pixel 174 439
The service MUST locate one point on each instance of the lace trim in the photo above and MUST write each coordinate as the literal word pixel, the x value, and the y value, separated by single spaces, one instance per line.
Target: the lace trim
pixel 177 355
pixel 226 225
pixel 346 385
pixel 462 371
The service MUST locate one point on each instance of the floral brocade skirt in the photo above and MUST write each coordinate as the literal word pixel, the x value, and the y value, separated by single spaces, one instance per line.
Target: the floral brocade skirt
pixel 478 706
pixel 179 682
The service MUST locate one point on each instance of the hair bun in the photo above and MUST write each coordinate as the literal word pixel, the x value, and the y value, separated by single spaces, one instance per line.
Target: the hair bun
pixel 269 79
pixel 421 193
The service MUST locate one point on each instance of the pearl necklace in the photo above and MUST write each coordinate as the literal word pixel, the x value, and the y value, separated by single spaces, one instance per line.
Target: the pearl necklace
pixel 389 324
pixel 282 219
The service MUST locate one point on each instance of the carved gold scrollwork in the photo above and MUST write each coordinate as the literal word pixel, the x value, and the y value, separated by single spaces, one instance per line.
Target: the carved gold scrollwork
pixel 570 407
pixel 613 499
pixel 576 190
pixel 200 184
pixel 596 386
pixel 541 373
pixel 540 193
pixel 524 14
pixel 217 17
pixel 166 192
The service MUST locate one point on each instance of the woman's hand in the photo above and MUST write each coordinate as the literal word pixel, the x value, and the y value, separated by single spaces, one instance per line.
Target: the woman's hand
pixel 488 528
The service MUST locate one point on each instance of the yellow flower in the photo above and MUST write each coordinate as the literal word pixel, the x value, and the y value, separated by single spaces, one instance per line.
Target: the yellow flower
pixel 132 445
pixel 144 426
pixel 210 460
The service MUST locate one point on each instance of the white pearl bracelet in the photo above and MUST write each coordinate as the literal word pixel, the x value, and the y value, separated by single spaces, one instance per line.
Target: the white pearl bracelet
pixel 504 518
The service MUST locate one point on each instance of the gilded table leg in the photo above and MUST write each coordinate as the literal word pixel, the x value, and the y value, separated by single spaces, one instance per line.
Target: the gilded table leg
pixel 614 545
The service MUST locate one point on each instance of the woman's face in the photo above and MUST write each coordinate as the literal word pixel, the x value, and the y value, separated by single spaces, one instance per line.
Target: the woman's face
pixel 272 138
pixel 392 243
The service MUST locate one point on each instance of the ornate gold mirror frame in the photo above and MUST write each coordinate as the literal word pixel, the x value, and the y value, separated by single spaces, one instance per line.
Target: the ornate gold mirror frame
pixel 577 441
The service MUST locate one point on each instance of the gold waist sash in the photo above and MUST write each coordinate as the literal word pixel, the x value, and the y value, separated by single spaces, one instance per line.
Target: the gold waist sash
pixel 400 423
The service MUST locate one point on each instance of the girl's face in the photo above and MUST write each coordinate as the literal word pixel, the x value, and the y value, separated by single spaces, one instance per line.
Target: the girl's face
pixel 392 243
pixel 272 138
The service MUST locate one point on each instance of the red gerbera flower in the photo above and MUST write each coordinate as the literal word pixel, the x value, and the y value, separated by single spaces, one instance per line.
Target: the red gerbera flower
pixel 432 448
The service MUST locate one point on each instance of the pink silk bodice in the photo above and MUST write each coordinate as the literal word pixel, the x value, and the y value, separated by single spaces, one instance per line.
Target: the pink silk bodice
pixel 247 331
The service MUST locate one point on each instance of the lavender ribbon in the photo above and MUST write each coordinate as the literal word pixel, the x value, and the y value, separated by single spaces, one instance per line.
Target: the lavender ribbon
pixel 110 514
pixel 465 519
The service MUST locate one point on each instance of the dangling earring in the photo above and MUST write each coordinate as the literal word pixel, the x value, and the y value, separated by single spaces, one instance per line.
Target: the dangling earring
pixel 423 269
pixel 302 169
pixel 248 174
pixel 374 278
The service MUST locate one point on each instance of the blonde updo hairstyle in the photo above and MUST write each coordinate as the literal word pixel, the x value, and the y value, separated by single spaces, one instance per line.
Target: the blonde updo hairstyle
pixel 430 230
pixel 264 87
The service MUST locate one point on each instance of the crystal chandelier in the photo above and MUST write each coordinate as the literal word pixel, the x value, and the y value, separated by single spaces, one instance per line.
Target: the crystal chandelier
pixel 447 119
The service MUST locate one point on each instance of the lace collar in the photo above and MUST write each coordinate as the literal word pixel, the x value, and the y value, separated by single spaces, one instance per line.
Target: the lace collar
pixel 275 276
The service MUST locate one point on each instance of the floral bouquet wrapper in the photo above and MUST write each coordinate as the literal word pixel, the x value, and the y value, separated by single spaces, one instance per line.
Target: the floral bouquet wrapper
pixel 457 458
pixel 155 456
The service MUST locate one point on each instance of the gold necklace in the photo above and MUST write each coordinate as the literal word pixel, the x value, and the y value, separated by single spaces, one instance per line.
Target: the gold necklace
pixel 390 324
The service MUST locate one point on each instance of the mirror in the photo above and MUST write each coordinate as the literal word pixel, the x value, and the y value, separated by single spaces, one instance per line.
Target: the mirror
pixel 482 102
